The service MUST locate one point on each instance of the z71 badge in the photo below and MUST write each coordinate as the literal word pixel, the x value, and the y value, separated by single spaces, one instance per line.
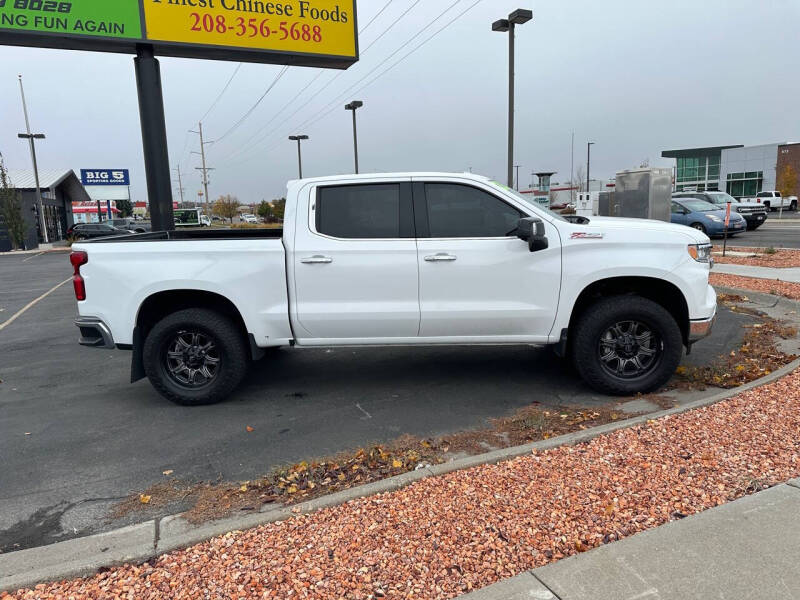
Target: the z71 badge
pixel 585 235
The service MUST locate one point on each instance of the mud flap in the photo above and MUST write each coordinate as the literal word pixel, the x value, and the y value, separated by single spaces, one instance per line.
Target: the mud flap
pixel 137 364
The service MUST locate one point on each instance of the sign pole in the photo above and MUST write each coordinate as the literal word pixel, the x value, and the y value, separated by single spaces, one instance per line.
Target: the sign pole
pixel 154 138
pixel 727 221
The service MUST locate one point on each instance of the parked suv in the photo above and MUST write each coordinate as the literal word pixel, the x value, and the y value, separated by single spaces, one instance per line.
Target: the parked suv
pixel 755 214
pixel 87 231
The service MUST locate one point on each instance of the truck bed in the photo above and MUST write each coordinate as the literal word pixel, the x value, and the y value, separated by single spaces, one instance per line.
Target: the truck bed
pixel 192 234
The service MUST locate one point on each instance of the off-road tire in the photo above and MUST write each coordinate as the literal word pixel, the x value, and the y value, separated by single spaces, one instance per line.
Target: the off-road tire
pixel 596 320
pixel 232 350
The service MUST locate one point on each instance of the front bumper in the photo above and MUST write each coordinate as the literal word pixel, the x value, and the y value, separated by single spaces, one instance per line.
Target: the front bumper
pixel 755 219
pixel 94 333
pixel 701 328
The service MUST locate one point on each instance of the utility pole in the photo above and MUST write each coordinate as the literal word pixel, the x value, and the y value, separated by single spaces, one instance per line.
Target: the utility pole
pixel 180 182
pixel 518 17
pixel 31 137
pixel 588 163
pixel 202 154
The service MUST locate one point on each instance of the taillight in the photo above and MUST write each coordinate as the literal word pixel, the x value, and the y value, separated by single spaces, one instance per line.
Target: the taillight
pixel 77 259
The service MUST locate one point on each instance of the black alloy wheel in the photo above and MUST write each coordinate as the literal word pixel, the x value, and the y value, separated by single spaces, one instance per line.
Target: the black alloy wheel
pixel 629 350
pixel 191 359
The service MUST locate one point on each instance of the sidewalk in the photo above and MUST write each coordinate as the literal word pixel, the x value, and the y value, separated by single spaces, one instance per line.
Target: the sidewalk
pixel 745 549
pixel 791 274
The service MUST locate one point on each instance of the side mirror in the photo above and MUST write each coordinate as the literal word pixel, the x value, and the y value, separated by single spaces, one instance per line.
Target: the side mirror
pixel 531 230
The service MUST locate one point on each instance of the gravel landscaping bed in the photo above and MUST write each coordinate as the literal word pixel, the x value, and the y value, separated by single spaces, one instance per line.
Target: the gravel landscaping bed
pixel 766 286
pixel 444 536
pixel 759 257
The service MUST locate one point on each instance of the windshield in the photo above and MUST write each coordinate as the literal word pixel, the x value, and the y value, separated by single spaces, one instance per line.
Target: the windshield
pixel 699 205
pixel 529 199
pixel 722 197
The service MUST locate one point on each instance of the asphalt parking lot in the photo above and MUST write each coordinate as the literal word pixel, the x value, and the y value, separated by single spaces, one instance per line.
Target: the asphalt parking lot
pixel 75 436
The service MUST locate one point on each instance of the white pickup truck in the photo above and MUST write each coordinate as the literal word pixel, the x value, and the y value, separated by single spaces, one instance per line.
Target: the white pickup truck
pixel 773 200
pixel 410 259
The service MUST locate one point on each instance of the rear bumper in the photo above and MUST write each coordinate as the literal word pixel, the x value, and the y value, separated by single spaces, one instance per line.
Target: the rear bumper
pixel 94 333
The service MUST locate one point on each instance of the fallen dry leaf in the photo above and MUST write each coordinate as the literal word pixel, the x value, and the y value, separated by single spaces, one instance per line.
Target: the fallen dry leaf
pixel 144 498
pixel 249 429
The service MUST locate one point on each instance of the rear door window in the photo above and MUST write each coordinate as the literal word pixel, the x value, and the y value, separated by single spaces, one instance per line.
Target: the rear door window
pixel 369 211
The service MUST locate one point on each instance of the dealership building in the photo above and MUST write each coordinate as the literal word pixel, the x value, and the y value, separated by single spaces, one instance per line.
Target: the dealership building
pixel 740 170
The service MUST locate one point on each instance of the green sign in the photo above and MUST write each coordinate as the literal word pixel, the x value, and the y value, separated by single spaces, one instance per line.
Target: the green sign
pixel 118 19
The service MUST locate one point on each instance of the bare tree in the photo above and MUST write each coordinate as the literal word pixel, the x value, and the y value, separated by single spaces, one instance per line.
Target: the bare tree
pixel 580 179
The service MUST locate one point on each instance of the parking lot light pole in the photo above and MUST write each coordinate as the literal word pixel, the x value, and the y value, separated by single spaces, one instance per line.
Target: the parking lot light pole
pixel 518 17
pixel 588 163
pixel 298 139
pixel 354 106
pixel 32 137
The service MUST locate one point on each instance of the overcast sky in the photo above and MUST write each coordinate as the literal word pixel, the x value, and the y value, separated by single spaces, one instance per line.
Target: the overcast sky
pixel 634 77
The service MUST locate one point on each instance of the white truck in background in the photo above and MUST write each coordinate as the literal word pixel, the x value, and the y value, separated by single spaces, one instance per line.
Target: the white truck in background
pixel 398 259
pixel 773 200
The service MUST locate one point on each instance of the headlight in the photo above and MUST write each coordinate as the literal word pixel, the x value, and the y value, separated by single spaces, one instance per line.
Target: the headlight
pixel 714 218
pixel 700 252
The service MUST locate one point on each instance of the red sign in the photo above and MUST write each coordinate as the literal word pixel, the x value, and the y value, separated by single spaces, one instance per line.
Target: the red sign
pixel 727 215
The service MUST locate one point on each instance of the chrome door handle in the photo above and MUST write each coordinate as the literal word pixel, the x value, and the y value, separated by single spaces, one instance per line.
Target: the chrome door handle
pixel 317 259
pixel 441 257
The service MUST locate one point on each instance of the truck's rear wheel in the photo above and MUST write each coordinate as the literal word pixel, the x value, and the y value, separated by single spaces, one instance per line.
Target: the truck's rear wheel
pixel 195 356
pixel 625 345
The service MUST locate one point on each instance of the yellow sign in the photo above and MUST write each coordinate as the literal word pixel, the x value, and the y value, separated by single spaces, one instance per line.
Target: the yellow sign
pixel 318 27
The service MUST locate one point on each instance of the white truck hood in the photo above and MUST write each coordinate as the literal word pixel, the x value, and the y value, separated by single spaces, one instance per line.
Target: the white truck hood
pixel 629 224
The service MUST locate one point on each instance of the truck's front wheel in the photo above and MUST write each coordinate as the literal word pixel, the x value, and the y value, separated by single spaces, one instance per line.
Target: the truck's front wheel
pixel 195 356
pixel 626 344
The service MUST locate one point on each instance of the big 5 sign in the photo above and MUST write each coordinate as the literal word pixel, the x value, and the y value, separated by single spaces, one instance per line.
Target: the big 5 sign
pixel 105 177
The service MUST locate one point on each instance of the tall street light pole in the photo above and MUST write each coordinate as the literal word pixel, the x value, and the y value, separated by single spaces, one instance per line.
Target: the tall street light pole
pixel 518 17
pixel 31 137
pixel 588 163
pixel 516 167
pixel 298 139
pixel 354 106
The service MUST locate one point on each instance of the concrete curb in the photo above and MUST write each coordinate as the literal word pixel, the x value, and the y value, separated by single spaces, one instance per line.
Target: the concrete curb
pixel 139 543
pixel 762 297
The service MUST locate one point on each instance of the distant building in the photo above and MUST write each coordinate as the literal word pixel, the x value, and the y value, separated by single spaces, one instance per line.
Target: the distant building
pixel 59 190
pixel 86 212
pixel 741 171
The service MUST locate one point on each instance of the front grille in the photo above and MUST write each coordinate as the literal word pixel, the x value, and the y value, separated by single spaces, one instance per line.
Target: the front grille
pixel 749 210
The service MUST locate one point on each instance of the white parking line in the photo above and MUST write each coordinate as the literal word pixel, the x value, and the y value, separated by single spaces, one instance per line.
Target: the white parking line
pixel 30 257
pixel 20 312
